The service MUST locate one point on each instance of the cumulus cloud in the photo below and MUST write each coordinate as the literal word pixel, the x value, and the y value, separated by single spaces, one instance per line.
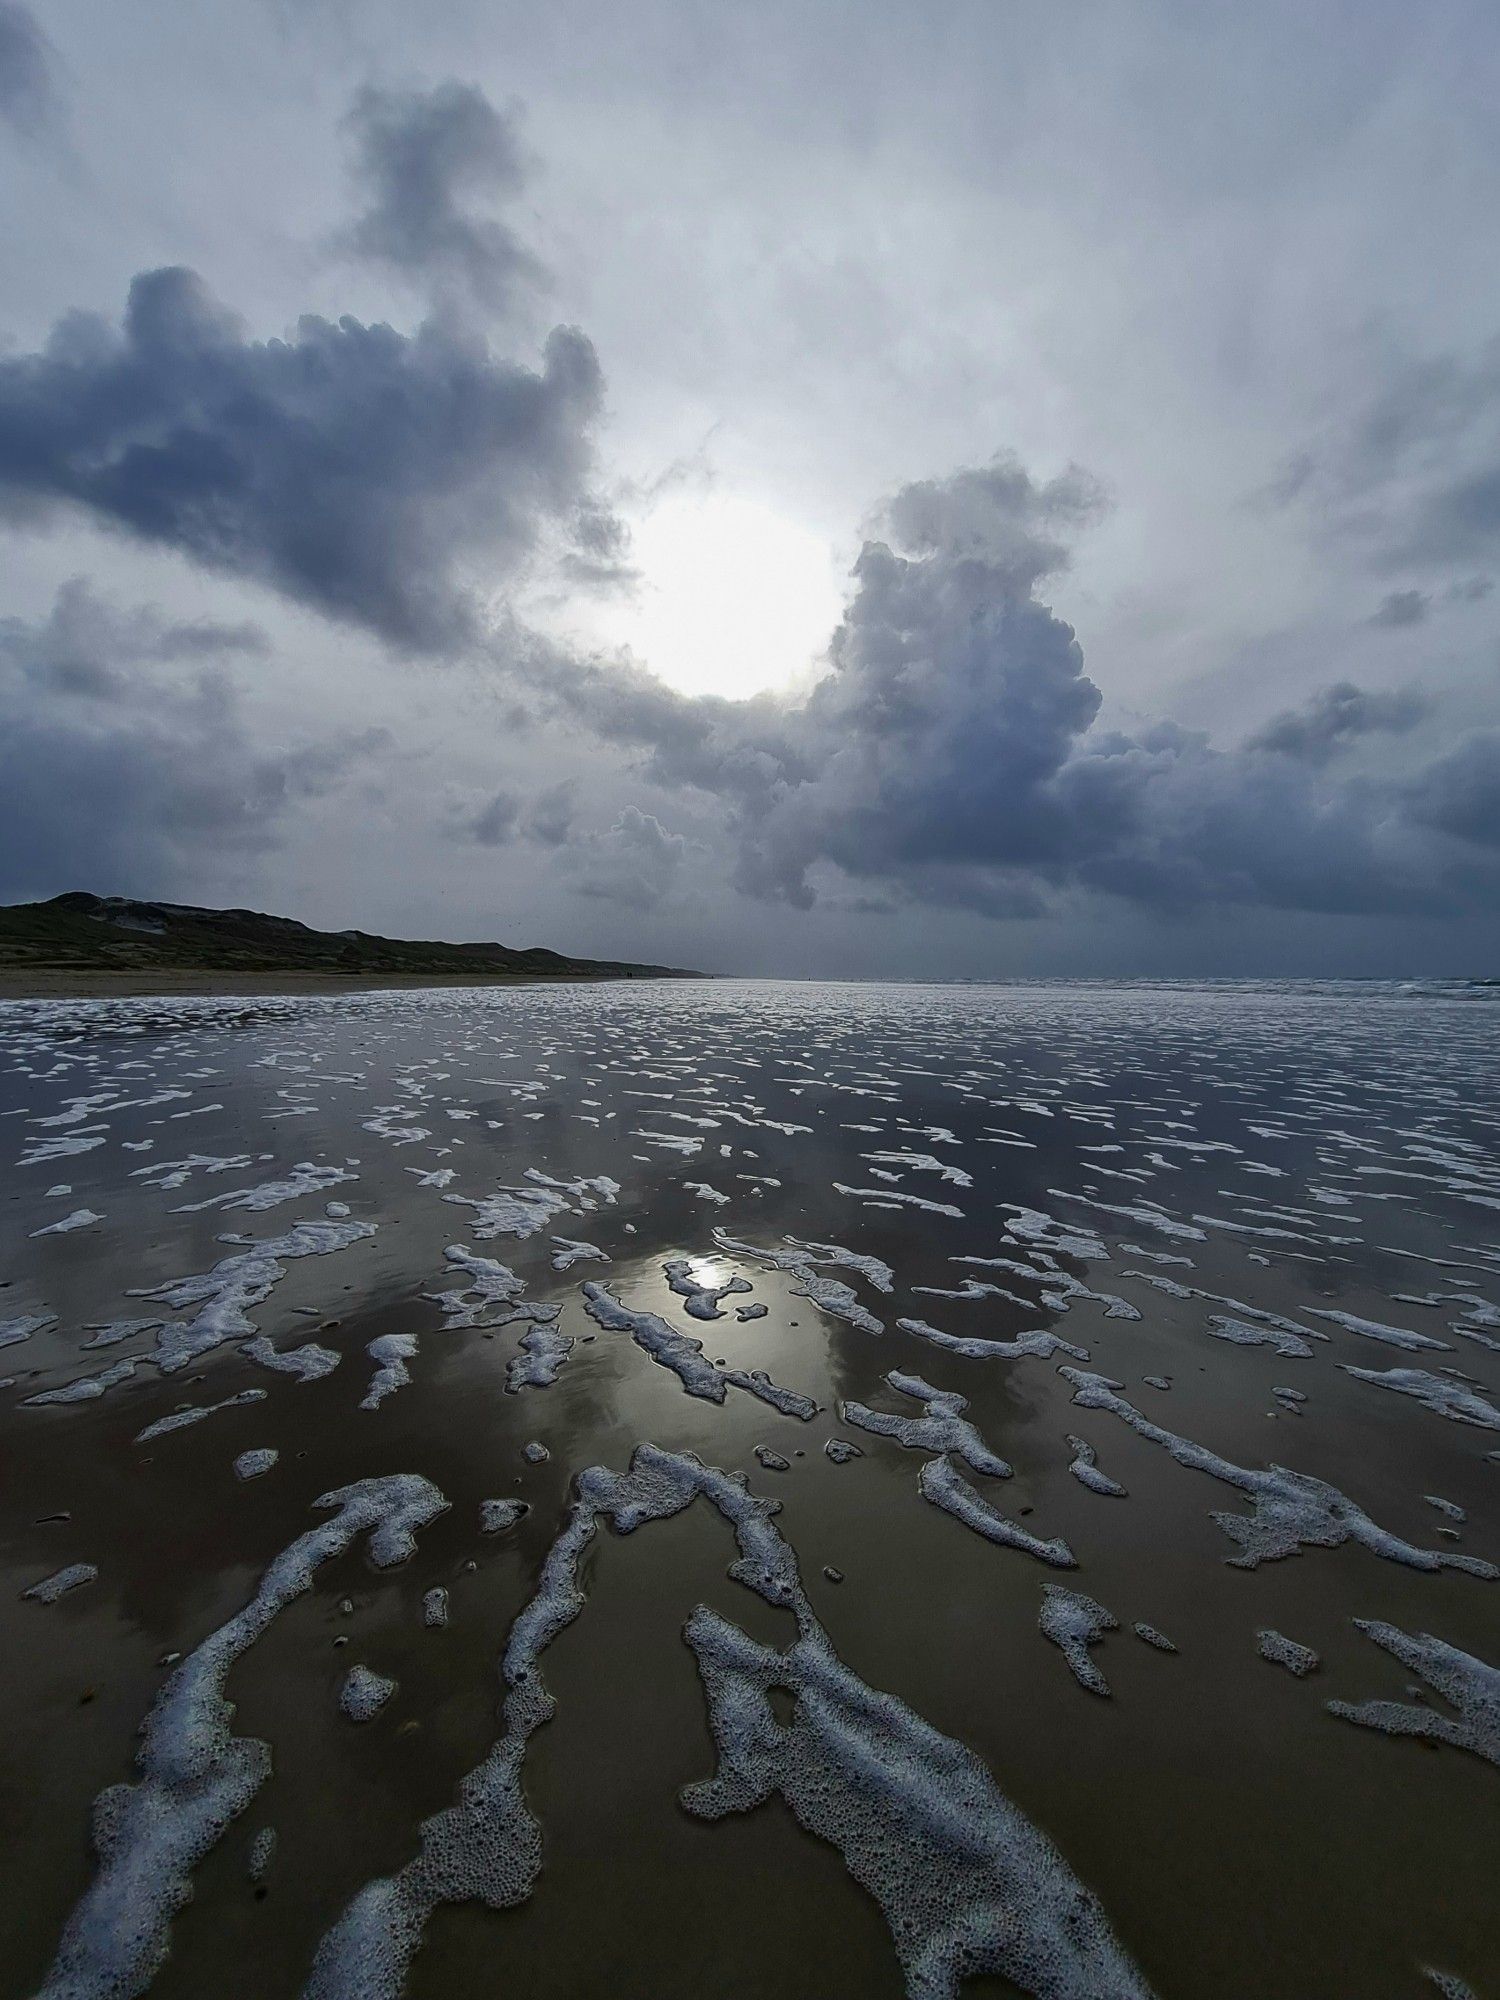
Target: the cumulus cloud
pixel 953 698
pixel 635 862
pixel 423 158
pixel 928 757
pixel 29 95
pixel 952 755
pixel 386 480
pixel 125 756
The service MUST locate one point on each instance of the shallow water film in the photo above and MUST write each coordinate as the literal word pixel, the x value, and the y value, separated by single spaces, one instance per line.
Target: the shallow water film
pixel 752 1489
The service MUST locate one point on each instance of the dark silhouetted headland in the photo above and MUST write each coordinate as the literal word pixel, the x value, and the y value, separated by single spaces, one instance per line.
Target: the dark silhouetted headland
pixel 84 943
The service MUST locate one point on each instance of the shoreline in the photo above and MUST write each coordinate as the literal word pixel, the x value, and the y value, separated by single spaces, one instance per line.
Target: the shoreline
pixel 59 984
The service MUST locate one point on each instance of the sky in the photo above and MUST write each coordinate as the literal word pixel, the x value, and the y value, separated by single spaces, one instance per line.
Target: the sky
pixel 823 489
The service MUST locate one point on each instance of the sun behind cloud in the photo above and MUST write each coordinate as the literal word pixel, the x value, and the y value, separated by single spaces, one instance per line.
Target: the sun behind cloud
pixel 733 596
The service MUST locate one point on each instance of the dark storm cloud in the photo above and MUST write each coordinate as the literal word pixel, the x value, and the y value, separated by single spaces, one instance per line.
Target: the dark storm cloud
pixel 87 647
pixel 1335 717
pixel 1399 608
pixel 120 767
pixel 1459 794
pixel 929 755
pixel 370 474
pixel 495 821
pixel 951 755
pixel 29 98
pixel 1168 822
pixel 549 816
pixel 423 158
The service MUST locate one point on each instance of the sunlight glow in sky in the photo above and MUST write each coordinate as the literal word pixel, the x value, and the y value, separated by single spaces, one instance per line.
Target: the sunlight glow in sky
pixel 733 597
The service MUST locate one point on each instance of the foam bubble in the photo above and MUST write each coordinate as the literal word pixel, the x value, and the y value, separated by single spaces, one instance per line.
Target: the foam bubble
pixel 491 1295
pixel 706 1193
pixel 13 1331
pixel 1471 1685
pixel 81 1218
pixel 1073 1623
pixel 944 1485
pixel 1289 1510
pixel 364 1694
pixel 967 1885
pixel 1041 1343
pixel 1085 1470
pixel 1441 1394
pixel 309 1362
pixel 1153 1638
pixel 390 1352
pixel 86 1388
pixel 50 1588
pixel 195 1413
pixel 756 1382
pixel 885 1197
pixel 1290 1346
pixel 942 1426
pixel 196 1777
pixel 1449 1984
pixel 537 1366
pixel 486 1847
pixel 262 1853
pixel 684 1356
pixel 829 1295
pixel 874 1269
pixel 922 1163
pixel 254 1464
pixel 1374 1329
pixel 836 1299
pixel 228 1293
pixel 1284 1652
pixel 674 1350
pixel 568 1251
pixel 521 1211
pixel 109 1333
pixel 700 1296
pixel 306 1178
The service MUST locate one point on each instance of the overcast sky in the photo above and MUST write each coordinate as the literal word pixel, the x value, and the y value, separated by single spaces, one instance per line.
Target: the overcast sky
pixel 831 489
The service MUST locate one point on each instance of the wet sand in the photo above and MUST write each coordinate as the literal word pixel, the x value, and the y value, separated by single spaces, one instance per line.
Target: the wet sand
pixel 47 984
pixel 1270 1157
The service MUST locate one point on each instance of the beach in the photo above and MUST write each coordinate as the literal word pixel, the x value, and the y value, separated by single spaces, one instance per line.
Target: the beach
pixel 831 1489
